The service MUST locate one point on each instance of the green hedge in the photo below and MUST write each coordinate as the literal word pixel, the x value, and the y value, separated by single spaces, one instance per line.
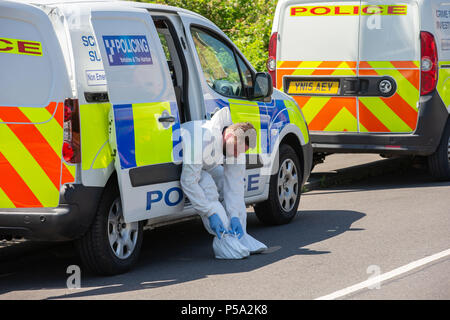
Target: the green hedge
pixel 248 23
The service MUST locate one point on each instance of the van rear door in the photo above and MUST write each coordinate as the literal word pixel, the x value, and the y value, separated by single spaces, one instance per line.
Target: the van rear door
pixel 144 112
pixel 389 59
pixel 34 85
pixel 317 61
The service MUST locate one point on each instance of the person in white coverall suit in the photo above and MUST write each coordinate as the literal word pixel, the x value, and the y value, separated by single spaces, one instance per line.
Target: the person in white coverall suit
pixel 213 175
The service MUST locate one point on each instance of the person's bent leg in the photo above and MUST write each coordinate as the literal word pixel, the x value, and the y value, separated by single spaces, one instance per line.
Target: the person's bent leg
pixel 210 189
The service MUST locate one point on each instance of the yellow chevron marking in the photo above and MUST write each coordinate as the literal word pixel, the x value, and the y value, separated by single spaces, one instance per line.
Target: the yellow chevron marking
pixel 404 88
pixel 295 117
pixel 4 200
pixel 385 115
pixel 344 65
pixel 51 130
pixel 72 169
pixel 27 167
pixel 344 72
pixel 343 121
pixel 443 86
pixel 37 115
pixel 313 107
pixel 309 64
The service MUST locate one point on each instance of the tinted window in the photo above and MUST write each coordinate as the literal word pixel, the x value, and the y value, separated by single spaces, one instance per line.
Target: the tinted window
pixel 218 64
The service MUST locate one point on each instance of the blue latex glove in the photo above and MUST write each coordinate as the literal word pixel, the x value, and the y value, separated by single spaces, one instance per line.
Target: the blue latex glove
pixel 216 225
pixel 236 227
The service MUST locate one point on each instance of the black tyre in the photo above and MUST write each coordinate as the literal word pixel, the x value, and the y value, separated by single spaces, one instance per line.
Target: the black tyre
pixel 111 246
pixel 284 191
pixel 439 162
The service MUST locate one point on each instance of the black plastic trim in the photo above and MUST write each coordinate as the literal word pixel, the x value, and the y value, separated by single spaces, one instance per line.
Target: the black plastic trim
pixel 253 161
pixel 348 86
pixel 159 173
pixel 96 97
pixel 69 221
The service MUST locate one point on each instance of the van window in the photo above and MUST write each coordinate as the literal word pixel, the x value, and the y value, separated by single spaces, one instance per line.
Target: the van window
pixel 318 37
pixel 391 38
pixel 25 60
pixel 218 63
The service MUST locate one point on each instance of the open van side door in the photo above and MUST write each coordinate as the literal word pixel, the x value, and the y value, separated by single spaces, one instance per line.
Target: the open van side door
pixel 145 122
pixel 218 64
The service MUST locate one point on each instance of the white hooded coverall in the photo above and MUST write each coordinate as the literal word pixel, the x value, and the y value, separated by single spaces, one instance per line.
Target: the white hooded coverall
pixel 208 180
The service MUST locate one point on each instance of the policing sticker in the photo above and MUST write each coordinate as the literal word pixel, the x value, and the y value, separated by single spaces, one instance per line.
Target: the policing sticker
pixel 127 50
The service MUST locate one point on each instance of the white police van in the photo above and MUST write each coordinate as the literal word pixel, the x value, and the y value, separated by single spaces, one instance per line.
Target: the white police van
pixel 370 76
pixel 93 97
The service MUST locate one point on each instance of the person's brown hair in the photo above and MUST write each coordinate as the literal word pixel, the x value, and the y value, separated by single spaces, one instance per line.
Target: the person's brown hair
pixel 244 130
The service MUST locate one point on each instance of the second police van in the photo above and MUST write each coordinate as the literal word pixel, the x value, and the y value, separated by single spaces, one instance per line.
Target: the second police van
pixel 370 76
pixel 92 98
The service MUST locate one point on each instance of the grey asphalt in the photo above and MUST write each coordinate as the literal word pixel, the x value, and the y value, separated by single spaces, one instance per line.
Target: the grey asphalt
pixel 339 234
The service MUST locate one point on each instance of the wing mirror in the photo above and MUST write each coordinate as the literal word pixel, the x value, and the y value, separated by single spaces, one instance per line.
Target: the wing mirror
pixel 262 86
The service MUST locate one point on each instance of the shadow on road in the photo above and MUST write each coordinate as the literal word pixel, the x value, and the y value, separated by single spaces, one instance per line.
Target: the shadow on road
pixel 177 254
pixel 397 177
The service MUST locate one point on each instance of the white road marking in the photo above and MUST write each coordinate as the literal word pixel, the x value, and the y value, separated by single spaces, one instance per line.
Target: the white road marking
pixel 386 276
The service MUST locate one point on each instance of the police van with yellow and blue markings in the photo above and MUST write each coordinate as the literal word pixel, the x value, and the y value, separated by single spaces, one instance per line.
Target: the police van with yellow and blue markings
pixel 90 118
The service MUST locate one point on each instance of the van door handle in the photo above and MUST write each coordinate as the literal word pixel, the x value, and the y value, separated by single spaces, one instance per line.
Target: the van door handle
pixel 170 119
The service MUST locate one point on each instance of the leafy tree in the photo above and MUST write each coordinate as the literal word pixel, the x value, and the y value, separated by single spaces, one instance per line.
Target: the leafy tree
pixel 248 23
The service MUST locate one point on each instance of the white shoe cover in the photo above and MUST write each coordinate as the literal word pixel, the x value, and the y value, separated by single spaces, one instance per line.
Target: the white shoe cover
pixel 229 247
pixel 253 245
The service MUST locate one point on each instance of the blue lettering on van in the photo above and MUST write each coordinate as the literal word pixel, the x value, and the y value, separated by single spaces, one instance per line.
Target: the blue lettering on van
pixel 152 197
pixel 93 56
pixel 157 196
pixel 88 41
pixel 127 50
pixel 253 181
pixel 169 192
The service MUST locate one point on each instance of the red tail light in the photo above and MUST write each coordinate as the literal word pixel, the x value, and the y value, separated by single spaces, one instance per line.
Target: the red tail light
pixel 272 62
pixel 429 63
pixel 71 147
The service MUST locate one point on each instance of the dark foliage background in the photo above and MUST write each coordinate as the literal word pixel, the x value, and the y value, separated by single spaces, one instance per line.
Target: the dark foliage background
pixel 248 23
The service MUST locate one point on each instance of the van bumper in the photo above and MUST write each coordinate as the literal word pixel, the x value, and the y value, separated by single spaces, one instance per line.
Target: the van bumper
pixel 69 221
pixel 423 141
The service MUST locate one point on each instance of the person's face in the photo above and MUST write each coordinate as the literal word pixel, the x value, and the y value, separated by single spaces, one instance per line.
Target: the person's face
pixel 231 145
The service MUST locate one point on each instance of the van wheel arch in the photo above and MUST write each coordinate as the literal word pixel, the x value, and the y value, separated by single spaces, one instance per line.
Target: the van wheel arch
pixel 279 209
pixel 95 248
pixel 292 140
pixel 439 162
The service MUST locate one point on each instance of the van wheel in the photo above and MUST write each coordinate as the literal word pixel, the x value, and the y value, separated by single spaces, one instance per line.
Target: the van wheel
pixel 111 246
pixel 439 162
pixel 284 191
